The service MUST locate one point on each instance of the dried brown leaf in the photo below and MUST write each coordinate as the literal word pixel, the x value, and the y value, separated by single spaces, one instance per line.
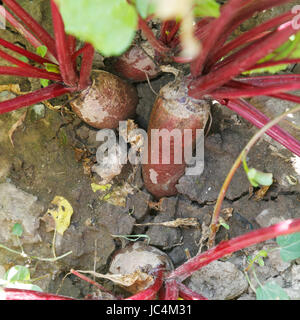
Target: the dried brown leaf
pixel 16 126
pixel 180 222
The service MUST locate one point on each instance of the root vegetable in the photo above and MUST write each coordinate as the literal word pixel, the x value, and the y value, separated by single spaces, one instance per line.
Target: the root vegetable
pixel 173 109
pixel 106 101
pixel 135 63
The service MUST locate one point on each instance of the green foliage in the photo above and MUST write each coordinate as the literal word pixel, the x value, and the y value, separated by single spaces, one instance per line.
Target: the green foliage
pixel 18 277
pixel 17 230
pixel 206 8
pixel 271 291
pixel 41 51
pixel 257 178
pixel 144 7
pixel 17 273
pixel 108 25
pixel 289 246
pixel 289 50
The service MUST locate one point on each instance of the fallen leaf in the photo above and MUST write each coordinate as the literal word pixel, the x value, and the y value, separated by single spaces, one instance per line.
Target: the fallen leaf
pixel 16 126
pixel 180 222
pixel 134 282
pixel 259 195
pixel 102 187
pixel 118 195
pixel 61 211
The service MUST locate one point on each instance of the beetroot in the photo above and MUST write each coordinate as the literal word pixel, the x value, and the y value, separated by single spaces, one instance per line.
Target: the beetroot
pixel 106 102
pixel 135 63
pixel 173 109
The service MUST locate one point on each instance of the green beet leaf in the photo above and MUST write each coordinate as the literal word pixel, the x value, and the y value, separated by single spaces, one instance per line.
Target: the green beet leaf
pixel 17 273
pixel 257 177
pixel 207 8
pixel 108 25
pixel 289 246
pixel 145 7
pixel 271 291
pixel 17 230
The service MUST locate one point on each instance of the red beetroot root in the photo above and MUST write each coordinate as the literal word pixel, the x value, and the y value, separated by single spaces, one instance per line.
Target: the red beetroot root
pixel 173 109
pixel 135 63
pixel 106 102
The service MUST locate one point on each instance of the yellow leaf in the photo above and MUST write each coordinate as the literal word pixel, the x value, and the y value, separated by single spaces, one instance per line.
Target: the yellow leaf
pixel 96 187
pixel 61 211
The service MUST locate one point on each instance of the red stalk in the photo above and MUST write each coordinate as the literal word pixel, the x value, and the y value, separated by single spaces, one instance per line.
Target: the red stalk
pixel 52 91
pixel 257 118
pixel 227 247
pixel 23 52
pixel 188 294
pixel 262 81
pixel 287 96
pixel 94 283
pixel 216 28
pixel 63 51
pixel 156 44
pixel 86 67
pixel 251 35
pixel 244 59
pixel 28 67
pixel 32 25
pixel 152 291
pixel 233 93
pixel 274 63
pixel 171 290
pixel 25 33
pixel 20 294
pixel 30 73
pixel 242 15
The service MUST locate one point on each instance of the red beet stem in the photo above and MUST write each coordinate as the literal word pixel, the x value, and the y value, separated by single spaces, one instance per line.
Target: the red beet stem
pixel 32 25
pixel 63 51
pixel 28 67
pixel 171 290
pixel 262 81
pixel 257 118
pixel 244 60
pixel 216 28
pixel 156 44
pixel 152 291
pixel 287 96
pixel 52 91
pixel 86 67
pixel 227 247
pixel 23 52
pixel 25 33
pixel 251 35
pixel 188 294
pixel 233 93
pixel 30 73
pixel 20 294
pixel 274 63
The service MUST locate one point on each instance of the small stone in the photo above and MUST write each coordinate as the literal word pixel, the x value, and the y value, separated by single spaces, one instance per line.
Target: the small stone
pixel 17 206
pixel 38 112
pixel 218 281
pixel 83 132
pixel 138 203
pixel 268 217
pixel 115 218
